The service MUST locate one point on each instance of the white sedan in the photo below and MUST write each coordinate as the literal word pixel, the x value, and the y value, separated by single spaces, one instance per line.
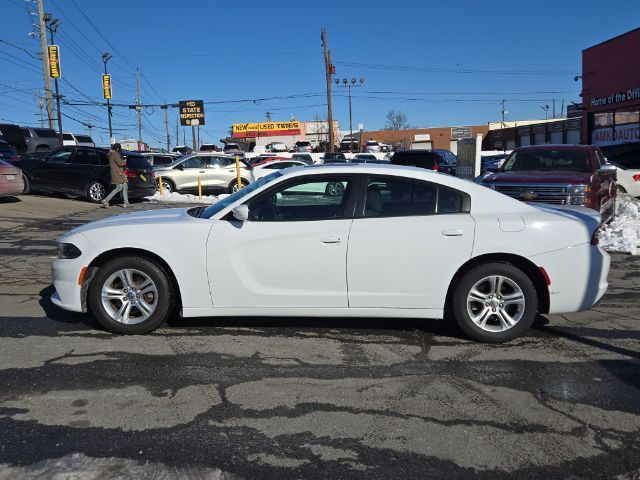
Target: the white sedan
pixel 394 242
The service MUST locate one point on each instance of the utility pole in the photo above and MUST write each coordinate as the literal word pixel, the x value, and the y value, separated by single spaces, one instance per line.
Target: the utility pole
pixel 554 108
pixel 193 137
pixel 52 25
pixel 105 58
pixel 89 127
pixel 503 111
pixel 166 124
pixel 328 71
pixel 45 63
pixel 177 131
pixel 139 109
pixel 41 108
pixel 345 83
pixel 268 114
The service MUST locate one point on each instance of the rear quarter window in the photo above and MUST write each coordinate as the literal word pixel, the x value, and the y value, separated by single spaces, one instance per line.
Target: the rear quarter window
pixel 137 162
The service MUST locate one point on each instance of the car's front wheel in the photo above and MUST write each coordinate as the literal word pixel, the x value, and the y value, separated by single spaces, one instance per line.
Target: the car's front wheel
pixel 495 302
pixel 167 185
pixel 131 295
pixel 233 186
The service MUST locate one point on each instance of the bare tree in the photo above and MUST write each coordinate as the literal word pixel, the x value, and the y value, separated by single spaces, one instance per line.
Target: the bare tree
pixel 396 121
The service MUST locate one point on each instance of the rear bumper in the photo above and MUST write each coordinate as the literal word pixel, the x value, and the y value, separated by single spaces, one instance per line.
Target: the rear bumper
pixel 578 277
pixel 136 191
pixel 11 187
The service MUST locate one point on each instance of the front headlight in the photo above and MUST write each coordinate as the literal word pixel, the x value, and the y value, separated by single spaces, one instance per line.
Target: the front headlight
pixel 580 189
pixel 68 251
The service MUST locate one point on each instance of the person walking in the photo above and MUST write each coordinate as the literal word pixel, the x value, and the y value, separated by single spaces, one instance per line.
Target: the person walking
pixel 118 178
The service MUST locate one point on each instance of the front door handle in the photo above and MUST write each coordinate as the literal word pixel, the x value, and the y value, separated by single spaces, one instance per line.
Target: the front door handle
pixel 453 232
pixel 202 171
pixel 331 239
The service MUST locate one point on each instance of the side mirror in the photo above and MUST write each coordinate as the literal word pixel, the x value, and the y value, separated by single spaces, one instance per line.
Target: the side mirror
pixel 607 168
pixel 241 212
pixel 179 166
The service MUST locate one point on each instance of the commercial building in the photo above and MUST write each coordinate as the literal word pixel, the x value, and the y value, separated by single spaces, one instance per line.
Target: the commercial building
pixel 287 132
pixel 509 135
pixel 438 137
pixel 611 91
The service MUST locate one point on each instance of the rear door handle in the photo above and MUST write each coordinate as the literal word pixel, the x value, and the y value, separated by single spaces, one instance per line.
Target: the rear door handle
pixel 331 239
pixel 453 232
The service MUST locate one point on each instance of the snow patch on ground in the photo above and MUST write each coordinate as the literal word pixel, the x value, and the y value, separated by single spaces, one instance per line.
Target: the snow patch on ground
pixel 175 197
pixel 623 234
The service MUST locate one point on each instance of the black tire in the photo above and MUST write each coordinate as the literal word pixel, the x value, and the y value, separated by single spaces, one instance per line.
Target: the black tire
pixel 167 185
pixel 461 309
pixel 165 295
pixel 96 191
pixel 334 189
pixel 233 186
pixel 27 185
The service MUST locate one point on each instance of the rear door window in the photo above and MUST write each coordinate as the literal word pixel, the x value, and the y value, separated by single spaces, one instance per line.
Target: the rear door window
pixel 60 156
pixel 86 157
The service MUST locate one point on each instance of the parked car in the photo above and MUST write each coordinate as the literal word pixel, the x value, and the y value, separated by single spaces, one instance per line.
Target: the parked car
pixel 231 147
pixel 40 139
pixel 182 150
pixel 160 159
pixel 626 157
pixel 13 135
pixel 429 159
pixel 335 157
pixel 209 147
pixel 303 146
pixel 11 181
pixel 217 173
pixel 85 171
pixel 260 160
pixel 7 152
pixel 276 147
pixel 371 146
pixel 347 145
pixel 303 157
pixel 393 242
pixel 560 175
pixel 491 161
pixel 264 169
pixel 365 156
pixel 77 139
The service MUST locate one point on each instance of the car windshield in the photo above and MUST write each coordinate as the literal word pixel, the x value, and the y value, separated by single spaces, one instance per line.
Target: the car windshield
pixel 84 139
pixel 548 161
pixel 225 202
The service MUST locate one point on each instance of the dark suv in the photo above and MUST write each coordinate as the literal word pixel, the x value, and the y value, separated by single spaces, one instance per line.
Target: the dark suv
pixel 439 160
pixel 85 171
pixel 41 139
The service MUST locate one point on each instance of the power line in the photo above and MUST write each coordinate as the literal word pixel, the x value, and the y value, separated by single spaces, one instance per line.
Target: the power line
pixel 456 70
pixel 20 48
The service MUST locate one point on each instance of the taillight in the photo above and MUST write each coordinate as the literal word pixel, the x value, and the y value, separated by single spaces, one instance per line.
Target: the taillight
pixel 15 158
pixel 595 238
pixel 436 167
pixel 636 178
pixel 152 174
pixel 129 174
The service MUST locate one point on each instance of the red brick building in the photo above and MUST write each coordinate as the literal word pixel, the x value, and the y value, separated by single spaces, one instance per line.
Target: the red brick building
pixel 439 137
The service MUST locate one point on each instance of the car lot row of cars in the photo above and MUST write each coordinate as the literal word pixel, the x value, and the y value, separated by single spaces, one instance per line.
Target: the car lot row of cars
pixel 32 139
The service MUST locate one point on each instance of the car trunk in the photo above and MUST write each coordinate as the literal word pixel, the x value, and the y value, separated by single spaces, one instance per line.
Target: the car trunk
pixel 140 176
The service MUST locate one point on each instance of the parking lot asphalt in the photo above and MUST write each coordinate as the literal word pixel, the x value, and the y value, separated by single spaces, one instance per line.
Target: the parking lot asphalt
pixel 303 397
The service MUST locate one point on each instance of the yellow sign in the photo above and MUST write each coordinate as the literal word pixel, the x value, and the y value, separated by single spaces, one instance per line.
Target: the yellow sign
pixel 106 86
pixel 266 129
pixel 54 61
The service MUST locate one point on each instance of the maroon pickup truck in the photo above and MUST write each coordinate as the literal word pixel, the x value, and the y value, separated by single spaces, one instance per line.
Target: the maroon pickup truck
pixel 559 175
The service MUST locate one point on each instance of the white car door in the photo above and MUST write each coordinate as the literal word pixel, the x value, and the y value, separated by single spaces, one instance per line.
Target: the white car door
pixel 292 252
pixel 411 240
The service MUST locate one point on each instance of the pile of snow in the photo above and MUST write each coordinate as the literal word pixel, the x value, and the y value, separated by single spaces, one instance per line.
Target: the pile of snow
pixel 175 197
pixel 623 234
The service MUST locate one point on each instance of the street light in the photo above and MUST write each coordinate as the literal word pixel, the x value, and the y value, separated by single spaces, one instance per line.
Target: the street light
pixel 106 56
pixel 348 85
pixel 546 110
pixel 52 24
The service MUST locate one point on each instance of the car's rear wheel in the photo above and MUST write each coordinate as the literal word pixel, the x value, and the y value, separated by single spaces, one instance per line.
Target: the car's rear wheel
pixel 96 191
pixel 167 185
pixel 27 185
pixel 131 295
pixel 334 189
pixel 233 186
pixel 495 302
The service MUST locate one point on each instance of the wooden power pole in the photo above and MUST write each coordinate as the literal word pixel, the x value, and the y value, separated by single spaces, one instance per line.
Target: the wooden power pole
pixel 328 70
pixel 45 64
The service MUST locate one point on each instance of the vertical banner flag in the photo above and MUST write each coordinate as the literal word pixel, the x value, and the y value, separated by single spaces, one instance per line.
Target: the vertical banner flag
pixel 54 61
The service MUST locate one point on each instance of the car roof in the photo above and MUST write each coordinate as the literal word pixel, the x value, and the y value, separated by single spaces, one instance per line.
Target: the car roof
pixel 551 146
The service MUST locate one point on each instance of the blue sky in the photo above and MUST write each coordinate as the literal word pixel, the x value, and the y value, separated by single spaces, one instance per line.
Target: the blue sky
pixel 441 63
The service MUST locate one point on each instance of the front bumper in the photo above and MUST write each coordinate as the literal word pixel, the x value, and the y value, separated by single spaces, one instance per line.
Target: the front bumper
pixel 578 277
pixel 68 294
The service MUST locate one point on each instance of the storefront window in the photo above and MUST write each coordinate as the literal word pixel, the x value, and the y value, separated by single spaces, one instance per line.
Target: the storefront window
pixel 603 119
pixel 631 115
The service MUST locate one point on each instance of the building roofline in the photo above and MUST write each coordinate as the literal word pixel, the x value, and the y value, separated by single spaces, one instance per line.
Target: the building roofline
pixel 611 39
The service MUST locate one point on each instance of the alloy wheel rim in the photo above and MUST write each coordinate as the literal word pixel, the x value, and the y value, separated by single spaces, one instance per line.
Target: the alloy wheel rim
pixel 129 296
pixel 235 188
pixel 167 186
pixel 335 188
pixel 96 192
pixel 495 303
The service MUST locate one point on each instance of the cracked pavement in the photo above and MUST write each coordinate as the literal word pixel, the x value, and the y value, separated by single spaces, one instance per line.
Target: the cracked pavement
pixel 305 397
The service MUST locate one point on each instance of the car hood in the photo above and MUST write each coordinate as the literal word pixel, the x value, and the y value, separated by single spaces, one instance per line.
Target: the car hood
pixel 537 177
pixel 171 217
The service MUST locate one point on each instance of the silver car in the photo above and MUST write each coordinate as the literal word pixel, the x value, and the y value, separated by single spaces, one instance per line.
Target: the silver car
pixel 217 173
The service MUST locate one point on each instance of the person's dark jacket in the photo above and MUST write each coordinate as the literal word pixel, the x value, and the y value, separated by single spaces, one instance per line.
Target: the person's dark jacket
pixel 117 164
